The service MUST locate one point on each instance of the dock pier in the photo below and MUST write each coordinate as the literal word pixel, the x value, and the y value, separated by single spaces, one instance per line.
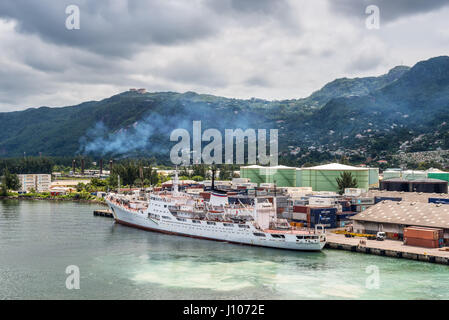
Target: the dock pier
pixel 103 213
pixel 387 248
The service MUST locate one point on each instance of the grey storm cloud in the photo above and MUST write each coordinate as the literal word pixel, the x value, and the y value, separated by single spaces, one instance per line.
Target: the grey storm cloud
pixel 272 49
pixel 110 27
pixel 122 27
pixel 197 72
pixel 267 7
pixel 390 10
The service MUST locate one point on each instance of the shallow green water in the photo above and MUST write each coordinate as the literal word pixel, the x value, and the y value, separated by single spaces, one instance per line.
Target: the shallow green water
pixel 38 240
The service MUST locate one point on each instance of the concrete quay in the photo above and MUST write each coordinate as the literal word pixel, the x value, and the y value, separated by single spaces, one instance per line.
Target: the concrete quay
pixel 388 248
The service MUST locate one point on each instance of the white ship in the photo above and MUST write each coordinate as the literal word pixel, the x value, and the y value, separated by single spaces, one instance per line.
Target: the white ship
pixel 178 213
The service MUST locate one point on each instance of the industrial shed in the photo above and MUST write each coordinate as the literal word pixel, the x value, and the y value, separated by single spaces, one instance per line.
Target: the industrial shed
pixel 408 196
pixel 323 178
pixel 392 217
pixel 420 185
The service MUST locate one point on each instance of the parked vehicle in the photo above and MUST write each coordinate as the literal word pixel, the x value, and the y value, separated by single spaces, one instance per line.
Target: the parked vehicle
pixel 381 236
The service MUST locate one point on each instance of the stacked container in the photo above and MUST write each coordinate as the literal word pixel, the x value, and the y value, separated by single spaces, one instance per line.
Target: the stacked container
pixel 380 199
pixel 423 237
pixel 324 216
pixel 343 218
pixel 439 200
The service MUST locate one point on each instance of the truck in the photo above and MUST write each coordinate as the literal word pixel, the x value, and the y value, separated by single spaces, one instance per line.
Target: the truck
pixel 381 236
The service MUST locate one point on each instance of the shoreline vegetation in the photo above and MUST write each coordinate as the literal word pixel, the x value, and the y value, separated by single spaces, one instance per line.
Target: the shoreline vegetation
pixel 74 197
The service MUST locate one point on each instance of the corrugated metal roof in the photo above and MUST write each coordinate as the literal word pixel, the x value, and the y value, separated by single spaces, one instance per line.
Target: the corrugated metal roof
pixel 407 196
pixel 253 167
pixel 426 180
pixel 407 213
pixel 336 166
pixel 260 167
pixel 281 167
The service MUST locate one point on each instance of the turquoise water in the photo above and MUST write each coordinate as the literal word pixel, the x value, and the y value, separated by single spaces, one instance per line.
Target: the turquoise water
pixel 39 239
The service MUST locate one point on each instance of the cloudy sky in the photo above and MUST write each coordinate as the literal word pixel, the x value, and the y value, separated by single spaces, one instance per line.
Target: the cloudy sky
pixel 272 49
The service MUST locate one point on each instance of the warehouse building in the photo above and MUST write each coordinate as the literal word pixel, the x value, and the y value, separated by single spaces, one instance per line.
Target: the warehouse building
pixel 323 178
pixel 421 185
pixel 392 217
pixel 407 196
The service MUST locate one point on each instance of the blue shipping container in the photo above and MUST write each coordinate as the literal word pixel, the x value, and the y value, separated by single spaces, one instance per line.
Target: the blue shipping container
pixel 346 216
pixel 380 199
pixel 439 200
pixel 324 216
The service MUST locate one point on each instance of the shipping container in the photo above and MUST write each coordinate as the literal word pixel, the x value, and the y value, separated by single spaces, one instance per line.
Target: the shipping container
pixel 425 243
pixel 320 201
pixel 298 216
pixel 302 209
pixel 297 224
pixel 359 208
pixel 345 215
pixel 439 200
pixel 380 199
pixel 423 233
pixel 361 201
pixel 324 216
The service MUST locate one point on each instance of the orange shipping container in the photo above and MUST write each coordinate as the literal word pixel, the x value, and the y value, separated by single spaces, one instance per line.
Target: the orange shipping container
pixel 423 233
pixel 301 209
pixel 425 243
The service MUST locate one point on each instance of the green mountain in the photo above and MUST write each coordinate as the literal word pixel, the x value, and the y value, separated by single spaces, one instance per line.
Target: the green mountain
pixel 405 109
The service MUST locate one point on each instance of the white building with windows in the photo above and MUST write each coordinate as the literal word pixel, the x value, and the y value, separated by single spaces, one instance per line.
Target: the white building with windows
pixel 38 182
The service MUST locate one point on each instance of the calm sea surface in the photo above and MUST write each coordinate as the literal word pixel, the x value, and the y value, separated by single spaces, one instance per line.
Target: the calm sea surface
pixel 39 239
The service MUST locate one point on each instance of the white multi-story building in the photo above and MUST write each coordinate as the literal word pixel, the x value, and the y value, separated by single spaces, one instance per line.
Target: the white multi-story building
pixel 38 182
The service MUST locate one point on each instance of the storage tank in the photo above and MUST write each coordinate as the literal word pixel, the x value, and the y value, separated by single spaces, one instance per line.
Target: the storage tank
pixel 392 174
pixel 439 175
pixel 413 175
pixel 323 178
pixel 282 176
pixel 373 177
pixel 253 173
pixel 299 177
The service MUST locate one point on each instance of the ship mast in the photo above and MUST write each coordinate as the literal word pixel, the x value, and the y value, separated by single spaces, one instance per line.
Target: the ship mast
pixel 176 182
